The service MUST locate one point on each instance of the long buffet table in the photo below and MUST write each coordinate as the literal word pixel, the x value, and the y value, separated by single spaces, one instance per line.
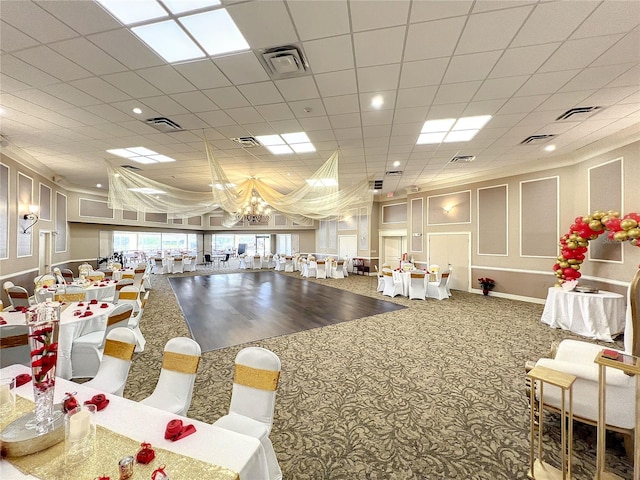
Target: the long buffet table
pixel 210 444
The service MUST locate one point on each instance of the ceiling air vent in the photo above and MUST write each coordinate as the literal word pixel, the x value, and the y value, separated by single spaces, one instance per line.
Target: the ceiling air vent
pixel 284 62
pixel 579 111
pixel 247 142
pixel 376 185
pixel 393 173
pixel 130 167
pixel 462 158
pixel 163 124
pixel 537 139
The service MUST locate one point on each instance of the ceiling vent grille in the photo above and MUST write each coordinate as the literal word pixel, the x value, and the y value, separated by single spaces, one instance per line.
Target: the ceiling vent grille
pixel 164 124
pixel 376 185
pixel 537 139
pixel 130 167
pixel 247 142
pixel 578 111
pixel 462 158
pixel 393 173
pixel 284 62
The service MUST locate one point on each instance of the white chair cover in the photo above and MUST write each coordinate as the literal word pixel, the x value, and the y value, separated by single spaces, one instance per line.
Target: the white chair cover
pixel 14 345
pixel 174 388
pixel 129 294
pixel 380 287
pixel 338 271
pixel 257 262
pixel 311 269
pixel 438 289
pixel 134 324
pixel 86 352
pixel 288 264
pixel 178 265
pixel 321 269
pixel 392 287
pixel 45 280
pixel 116 362
pixel 253 400
pixel 417 288
pixel 19 297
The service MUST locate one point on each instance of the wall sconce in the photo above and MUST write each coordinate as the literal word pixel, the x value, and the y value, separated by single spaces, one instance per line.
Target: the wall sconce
pixel 32 216
pixel 447 209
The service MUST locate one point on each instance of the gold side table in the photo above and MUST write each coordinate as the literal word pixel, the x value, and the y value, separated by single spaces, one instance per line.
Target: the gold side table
pixel 538 469
pixel 631 366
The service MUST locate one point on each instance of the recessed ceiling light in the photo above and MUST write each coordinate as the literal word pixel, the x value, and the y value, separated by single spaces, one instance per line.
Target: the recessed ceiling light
pixel 550 148
pixel 169 41
pixel 99 185
pixel 215 31
pixel 279 149
pixel 396 163
pixel 442 125
pixel 137 111
pixel 377 101
pixel 426 138
pixel 470 123
pixel 460 135
pixel 142 151
pixel 297 137
pixel 181 6
pixel 451 130
pixel 303 147
pixel 268 140
pixel 161 158
pixel 133 12
pixel 143 160
pixel 140 155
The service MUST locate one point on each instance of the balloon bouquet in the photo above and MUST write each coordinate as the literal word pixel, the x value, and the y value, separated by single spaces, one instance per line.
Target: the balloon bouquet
pixel 575 243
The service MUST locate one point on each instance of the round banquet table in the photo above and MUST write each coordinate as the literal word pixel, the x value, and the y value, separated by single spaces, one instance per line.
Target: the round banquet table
pixel 600 316
pixel 71 327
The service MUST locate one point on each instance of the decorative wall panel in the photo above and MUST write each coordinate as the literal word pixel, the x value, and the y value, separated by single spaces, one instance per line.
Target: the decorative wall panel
pixel 493 220
pixel 539 230
pixel 605 193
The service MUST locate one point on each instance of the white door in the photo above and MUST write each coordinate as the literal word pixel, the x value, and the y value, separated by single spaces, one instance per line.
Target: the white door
pixel 392 252
pixel 44 253
pixel 452 250
pixel 347 246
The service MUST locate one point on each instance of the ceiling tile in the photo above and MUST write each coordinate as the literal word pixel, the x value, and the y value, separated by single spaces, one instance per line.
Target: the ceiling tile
pixel 89 56
pixel 195 101
pixel 297 88
pixel 347 120
pixel 261 93
pixel 377 117
pixel 523 60
pixel 387 97
pixel 337 83
pixel 203 74
pixel 245 115
pixel 380 14
pixel 546 82
pixel 341 57
pixel 100 89
pixel 307 108
pixel 439 9
pixel 164 105
pixel 132 84
pixel 433 39
pixel 16 68
pixel 84 17
pixel 465 68
pixel 608 18
pixel 275 112
pixel 166 79
pixel 379 47
pixel 125 47
pixel 578 53
pixel 227 97
pixel 108 113
pixel 500 87
pixel 456 92
pixel 419 96
pixel 242 68
pixel 43 99
pixel 10 84
pixel 53 63
pixel 630 77
pixel 252 18
pixel 287 126
pixel 372 79
pixel 562 102
pixel 13 39
pixel 626 50
pixel 423 72
pixel 522 104
pixel 409 115
pixel 315 123
pixel 341 104
pixel 596 77
pixel 320 19
pixel 35 22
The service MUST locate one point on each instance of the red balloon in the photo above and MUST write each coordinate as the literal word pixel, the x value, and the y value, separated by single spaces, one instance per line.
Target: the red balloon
pixel 568 253
pixel 613 224
pixel 579 256
pixel 634 216
pixel 578 220
pixel 556 267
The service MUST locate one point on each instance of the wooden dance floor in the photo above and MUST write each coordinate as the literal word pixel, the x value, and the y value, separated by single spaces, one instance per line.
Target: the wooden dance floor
pixel 225 310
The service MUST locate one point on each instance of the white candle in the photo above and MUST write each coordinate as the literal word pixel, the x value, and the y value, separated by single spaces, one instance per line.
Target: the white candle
pixel 79 425
pixel 5 394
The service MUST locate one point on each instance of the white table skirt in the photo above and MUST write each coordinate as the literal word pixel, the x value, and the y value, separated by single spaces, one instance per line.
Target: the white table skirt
pixel 600 316
pixel 71 327
pixel 240 453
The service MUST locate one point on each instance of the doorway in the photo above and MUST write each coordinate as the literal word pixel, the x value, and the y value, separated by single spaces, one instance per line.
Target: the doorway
pixel 392 246
pixel 452 251
pixel 44 253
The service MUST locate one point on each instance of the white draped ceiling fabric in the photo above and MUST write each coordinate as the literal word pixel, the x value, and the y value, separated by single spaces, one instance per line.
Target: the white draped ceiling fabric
pixel 319 198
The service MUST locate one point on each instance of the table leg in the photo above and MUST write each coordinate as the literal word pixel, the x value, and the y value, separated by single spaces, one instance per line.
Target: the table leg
pixel 602 429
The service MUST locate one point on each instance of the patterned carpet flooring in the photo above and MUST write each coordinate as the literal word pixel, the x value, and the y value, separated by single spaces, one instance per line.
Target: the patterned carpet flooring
pixel 433 391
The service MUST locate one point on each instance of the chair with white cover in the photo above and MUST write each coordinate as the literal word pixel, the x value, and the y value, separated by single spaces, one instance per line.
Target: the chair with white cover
pixel 392 287
pixel 321 269
pixel 312 268
pixel 257 262
pixel 19 297
pixel 288 263
pixel 380 286
pixel 576 357
pixel 46 280
pixel 417 287
pixel 60 280
pixel 266 261
pixel 174 389
pixel 134 324
pixel 338 271
pixel 130 294
pixel 86 352
pixel 253 398
pixel 67 274
pixel 14 345
pixel 178 266
pixel 157 266
pixel 438 289
pixel 189 264
pixel 116 362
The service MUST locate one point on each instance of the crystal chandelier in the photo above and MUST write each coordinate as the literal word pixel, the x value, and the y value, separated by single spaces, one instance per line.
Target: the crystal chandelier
pixel 256 211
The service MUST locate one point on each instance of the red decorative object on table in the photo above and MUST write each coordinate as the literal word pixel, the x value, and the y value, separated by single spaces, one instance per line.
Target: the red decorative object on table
pixel 160 474
pixel 99 400
pixel 176 431
pixel 69 402
pixel 22 379
pixel 146 454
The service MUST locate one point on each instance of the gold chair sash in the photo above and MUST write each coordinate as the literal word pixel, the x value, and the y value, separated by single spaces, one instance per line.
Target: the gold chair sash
pixel 256 378
pixel 128 295
pixel 14 341
pixel 70 297
pixel 113 319
pixel 179 362
pixel 118 349
pixel 95 278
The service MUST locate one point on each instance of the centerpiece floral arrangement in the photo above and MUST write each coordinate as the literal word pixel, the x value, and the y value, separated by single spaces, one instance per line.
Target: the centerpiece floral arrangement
pixel 487 284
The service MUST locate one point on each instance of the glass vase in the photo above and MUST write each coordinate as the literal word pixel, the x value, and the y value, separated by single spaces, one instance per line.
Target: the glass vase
pixel 43 321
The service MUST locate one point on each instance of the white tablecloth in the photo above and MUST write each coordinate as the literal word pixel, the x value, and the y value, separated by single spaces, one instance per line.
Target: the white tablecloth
pixel 71 327
pixel 595 315
pixel 235 451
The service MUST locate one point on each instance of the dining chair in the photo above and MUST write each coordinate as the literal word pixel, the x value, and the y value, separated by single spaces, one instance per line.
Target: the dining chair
pixel 19 297
pixel 207 260
pixel 86 351
pixel 116 361
pixel 67 274
pixel 392 286
pixel 321 269
pixel 14 345
pixel 288 263
pixel 46 280
pixel 174 388
pixel 417 287
pixel 253 399
pixel 257 262
pixel 157 266
pixel 57 273
pixel 129 294
pixel 178 265
pixel 438 289
pixel 380 287
pixel 338 271
pixel 225 260
pixel 134 324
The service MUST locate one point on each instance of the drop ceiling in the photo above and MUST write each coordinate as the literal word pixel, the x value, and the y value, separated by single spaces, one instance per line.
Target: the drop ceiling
pixel 71 75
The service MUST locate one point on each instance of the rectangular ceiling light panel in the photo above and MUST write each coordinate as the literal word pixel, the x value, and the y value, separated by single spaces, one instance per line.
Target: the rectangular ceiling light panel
pixel 279 149
pixel 215 31
pixel 134 12
pixel 181 6
pixel 169 41
pixel 298 141
pixel 140 155
pixel 450 130
pixel 268 140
